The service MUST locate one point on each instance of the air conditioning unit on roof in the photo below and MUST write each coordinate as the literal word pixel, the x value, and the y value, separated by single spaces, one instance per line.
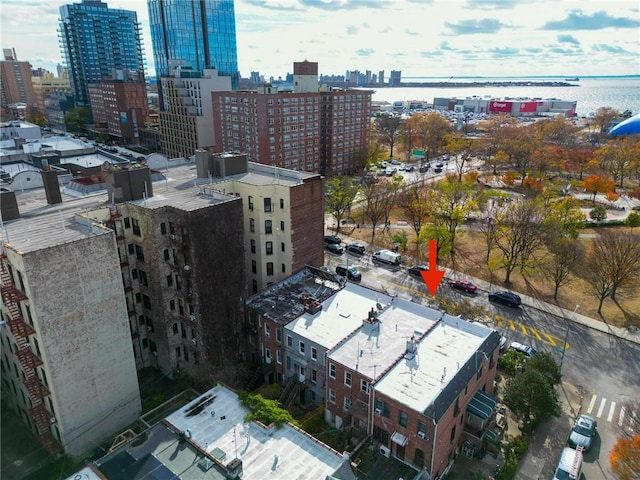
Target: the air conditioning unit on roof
pixel 421 435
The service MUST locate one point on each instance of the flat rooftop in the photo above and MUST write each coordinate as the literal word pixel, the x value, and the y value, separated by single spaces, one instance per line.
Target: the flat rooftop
pixel 419 378
pixel 375 348
pixel 341 314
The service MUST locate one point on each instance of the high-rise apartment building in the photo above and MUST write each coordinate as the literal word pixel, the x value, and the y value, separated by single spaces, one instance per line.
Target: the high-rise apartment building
pixel 97 40
pixel 119 105
pixel 15 84
pixel 186 122
pixel 312 129
pixel 395 78
pixel 202 33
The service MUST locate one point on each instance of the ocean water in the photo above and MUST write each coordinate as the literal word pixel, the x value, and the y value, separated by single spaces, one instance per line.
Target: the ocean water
pixel 591 93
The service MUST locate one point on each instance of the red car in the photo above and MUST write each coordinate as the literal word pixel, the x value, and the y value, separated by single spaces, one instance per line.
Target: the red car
pixel 463 285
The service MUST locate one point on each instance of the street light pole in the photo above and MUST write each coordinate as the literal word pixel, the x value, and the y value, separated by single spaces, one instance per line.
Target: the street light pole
pixel 566 336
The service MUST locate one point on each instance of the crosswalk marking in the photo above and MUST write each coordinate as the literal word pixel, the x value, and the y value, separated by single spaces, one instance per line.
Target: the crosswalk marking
pixel 550 339
pixel 535 332
pixel 601 408
pixel 611 410
pixel 593 402
pixel 621 419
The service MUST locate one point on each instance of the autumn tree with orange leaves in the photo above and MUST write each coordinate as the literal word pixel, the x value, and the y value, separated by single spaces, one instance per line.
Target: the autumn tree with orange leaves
pixel 598 184
pixel 625 458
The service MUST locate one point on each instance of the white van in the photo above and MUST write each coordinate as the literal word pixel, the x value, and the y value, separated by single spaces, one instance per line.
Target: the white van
pixel 570 465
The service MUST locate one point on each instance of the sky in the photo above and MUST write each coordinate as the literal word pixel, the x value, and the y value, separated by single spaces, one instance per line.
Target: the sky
pixel 421 38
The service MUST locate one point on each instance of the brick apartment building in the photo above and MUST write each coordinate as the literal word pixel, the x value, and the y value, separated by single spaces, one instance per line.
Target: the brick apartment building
pixel 119 106
pixel 314 129
pixel 409 376
pixel 283 215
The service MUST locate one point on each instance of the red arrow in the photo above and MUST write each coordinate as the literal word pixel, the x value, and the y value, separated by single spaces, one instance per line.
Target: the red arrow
pixel 433 276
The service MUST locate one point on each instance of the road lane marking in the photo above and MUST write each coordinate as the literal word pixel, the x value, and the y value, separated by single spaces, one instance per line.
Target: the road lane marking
pixel 551 340
pixel 535 332
pixel 512 325
pixel 601 407
pixel 621 419
pixel 593 402
pixel 611 410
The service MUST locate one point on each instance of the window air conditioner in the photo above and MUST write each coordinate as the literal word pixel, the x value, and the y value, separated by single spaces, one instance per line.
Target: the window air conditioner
pixel 53 420
pixel 194 341
pixel 385 451
pixel 172 237
pixel 379 411
pixel 421 435
pixel 192 317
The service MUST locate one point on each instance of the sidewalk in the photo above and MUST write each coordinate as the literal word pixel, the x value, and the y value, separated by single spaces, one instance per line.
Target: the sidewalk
pixel 621 333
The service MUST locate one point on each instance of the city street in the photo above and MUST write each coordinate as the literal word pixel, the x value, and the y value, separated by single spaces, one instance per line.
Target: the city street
pixel 599 369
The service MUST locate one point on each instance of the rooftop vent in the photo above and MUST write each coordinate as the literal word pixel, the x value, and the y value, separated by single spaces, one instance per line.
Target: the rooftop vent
pixel 311 305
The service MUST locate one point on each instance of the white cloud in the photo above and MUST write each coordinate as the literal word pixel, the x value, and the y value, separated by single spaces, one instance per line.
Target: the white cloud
pixel 411 36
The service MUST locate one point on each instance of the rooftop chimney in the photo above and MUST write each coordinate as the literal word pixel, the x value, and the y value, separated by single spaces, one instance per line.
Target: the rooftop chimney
pixel 8 205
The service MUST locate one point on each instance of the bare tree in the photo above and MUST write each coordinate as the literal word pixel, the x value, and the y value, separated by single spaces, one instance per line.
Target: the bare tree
pixel 377 200
pixel 389 130
pixel 567 253
pixel 621 252
pixel 413 204
pixel 488 227
pixel 522 230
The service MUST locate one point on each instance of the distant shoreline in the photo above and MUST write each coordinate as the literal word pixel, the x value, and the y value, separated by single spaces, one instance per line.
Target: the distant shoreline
pixel 445 84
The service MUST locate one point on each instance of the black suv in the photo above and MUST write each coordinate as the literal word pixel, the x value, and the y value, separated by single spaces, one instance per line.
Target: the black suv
pixel 333 239
pixel 416 270
pixel 505 298
pixel 334 248
pixel 351 273
pixel 355 248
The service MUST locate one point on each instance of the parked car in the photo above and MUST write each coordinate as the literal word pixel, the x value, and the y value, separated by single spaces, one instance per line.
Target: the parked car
pixel 439 164
pixel 356 248
pixel 332 239
pixel 334 248
pixel 569 466
pixel 582 432
pixel 505 298
pixel 387 256
pixel 425 167
pixel 437 170
pixel 393 161
pixel 463 285
pixel 416 270
pixel 503 343
pixel 351 273
pixel 527 350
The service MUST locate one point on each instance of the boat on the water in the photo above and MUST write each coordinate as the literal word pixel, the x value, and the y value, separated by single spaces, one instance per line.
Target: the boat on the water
pixel 574 79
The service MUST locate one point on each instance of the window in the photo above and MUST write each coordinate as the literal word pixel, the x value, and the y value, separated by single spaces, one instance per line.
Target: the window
pixel 422 428
pixel 139 253
pixel 254 285
pixel 314 353
pixel 175 328
pixel 267 204
pixel 172 304
pixel 453 434
pixel 268 228
pixel 163 228
pixel 402 418
pixel 332 370
pixel 347 379
pixel 253 246
pixel 135 226
pixel 132 248
pixel 289 341
pixel 169 280
pixel 250 202
pixel 364 386
pixel 301 347
pixel 166 254
pixel 267 330
pixel 282 246
pixel 282 225
pixel 254 266
pixel 178 352
pixel 346 405
pixel 252 225
pixel 127 222
pixel 269 269
pixel 279 357
pixel 278 335
pixel 269 248
pixel 267 353
pixel 332 395
pixel 282 203
pixel 314 376
pixel 284 268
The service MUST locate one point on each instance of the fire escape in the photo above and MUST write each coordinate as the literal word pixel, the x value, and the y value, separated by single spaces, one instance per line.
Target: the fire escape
pixel 11 297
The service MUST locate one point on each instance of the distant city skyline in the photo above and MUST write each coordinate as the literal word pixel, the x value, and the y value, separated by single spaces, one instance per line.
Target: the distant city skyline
pixel 422 38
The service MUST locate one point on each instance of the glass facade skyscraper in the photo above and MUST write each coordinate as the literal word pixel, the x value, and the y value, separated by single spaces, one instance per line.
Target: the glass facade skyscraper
pixel 95 41
pixel 202 33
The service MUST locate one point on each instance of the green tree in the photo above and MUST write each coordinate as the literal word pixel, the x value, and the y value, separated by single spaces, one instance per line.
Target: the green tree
pixel 530 395
pixel 544 363
pixel 265 411
pixel 341 191
pixel 633 220
pixel 598 213
pixel 567 216
pixel 76 119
